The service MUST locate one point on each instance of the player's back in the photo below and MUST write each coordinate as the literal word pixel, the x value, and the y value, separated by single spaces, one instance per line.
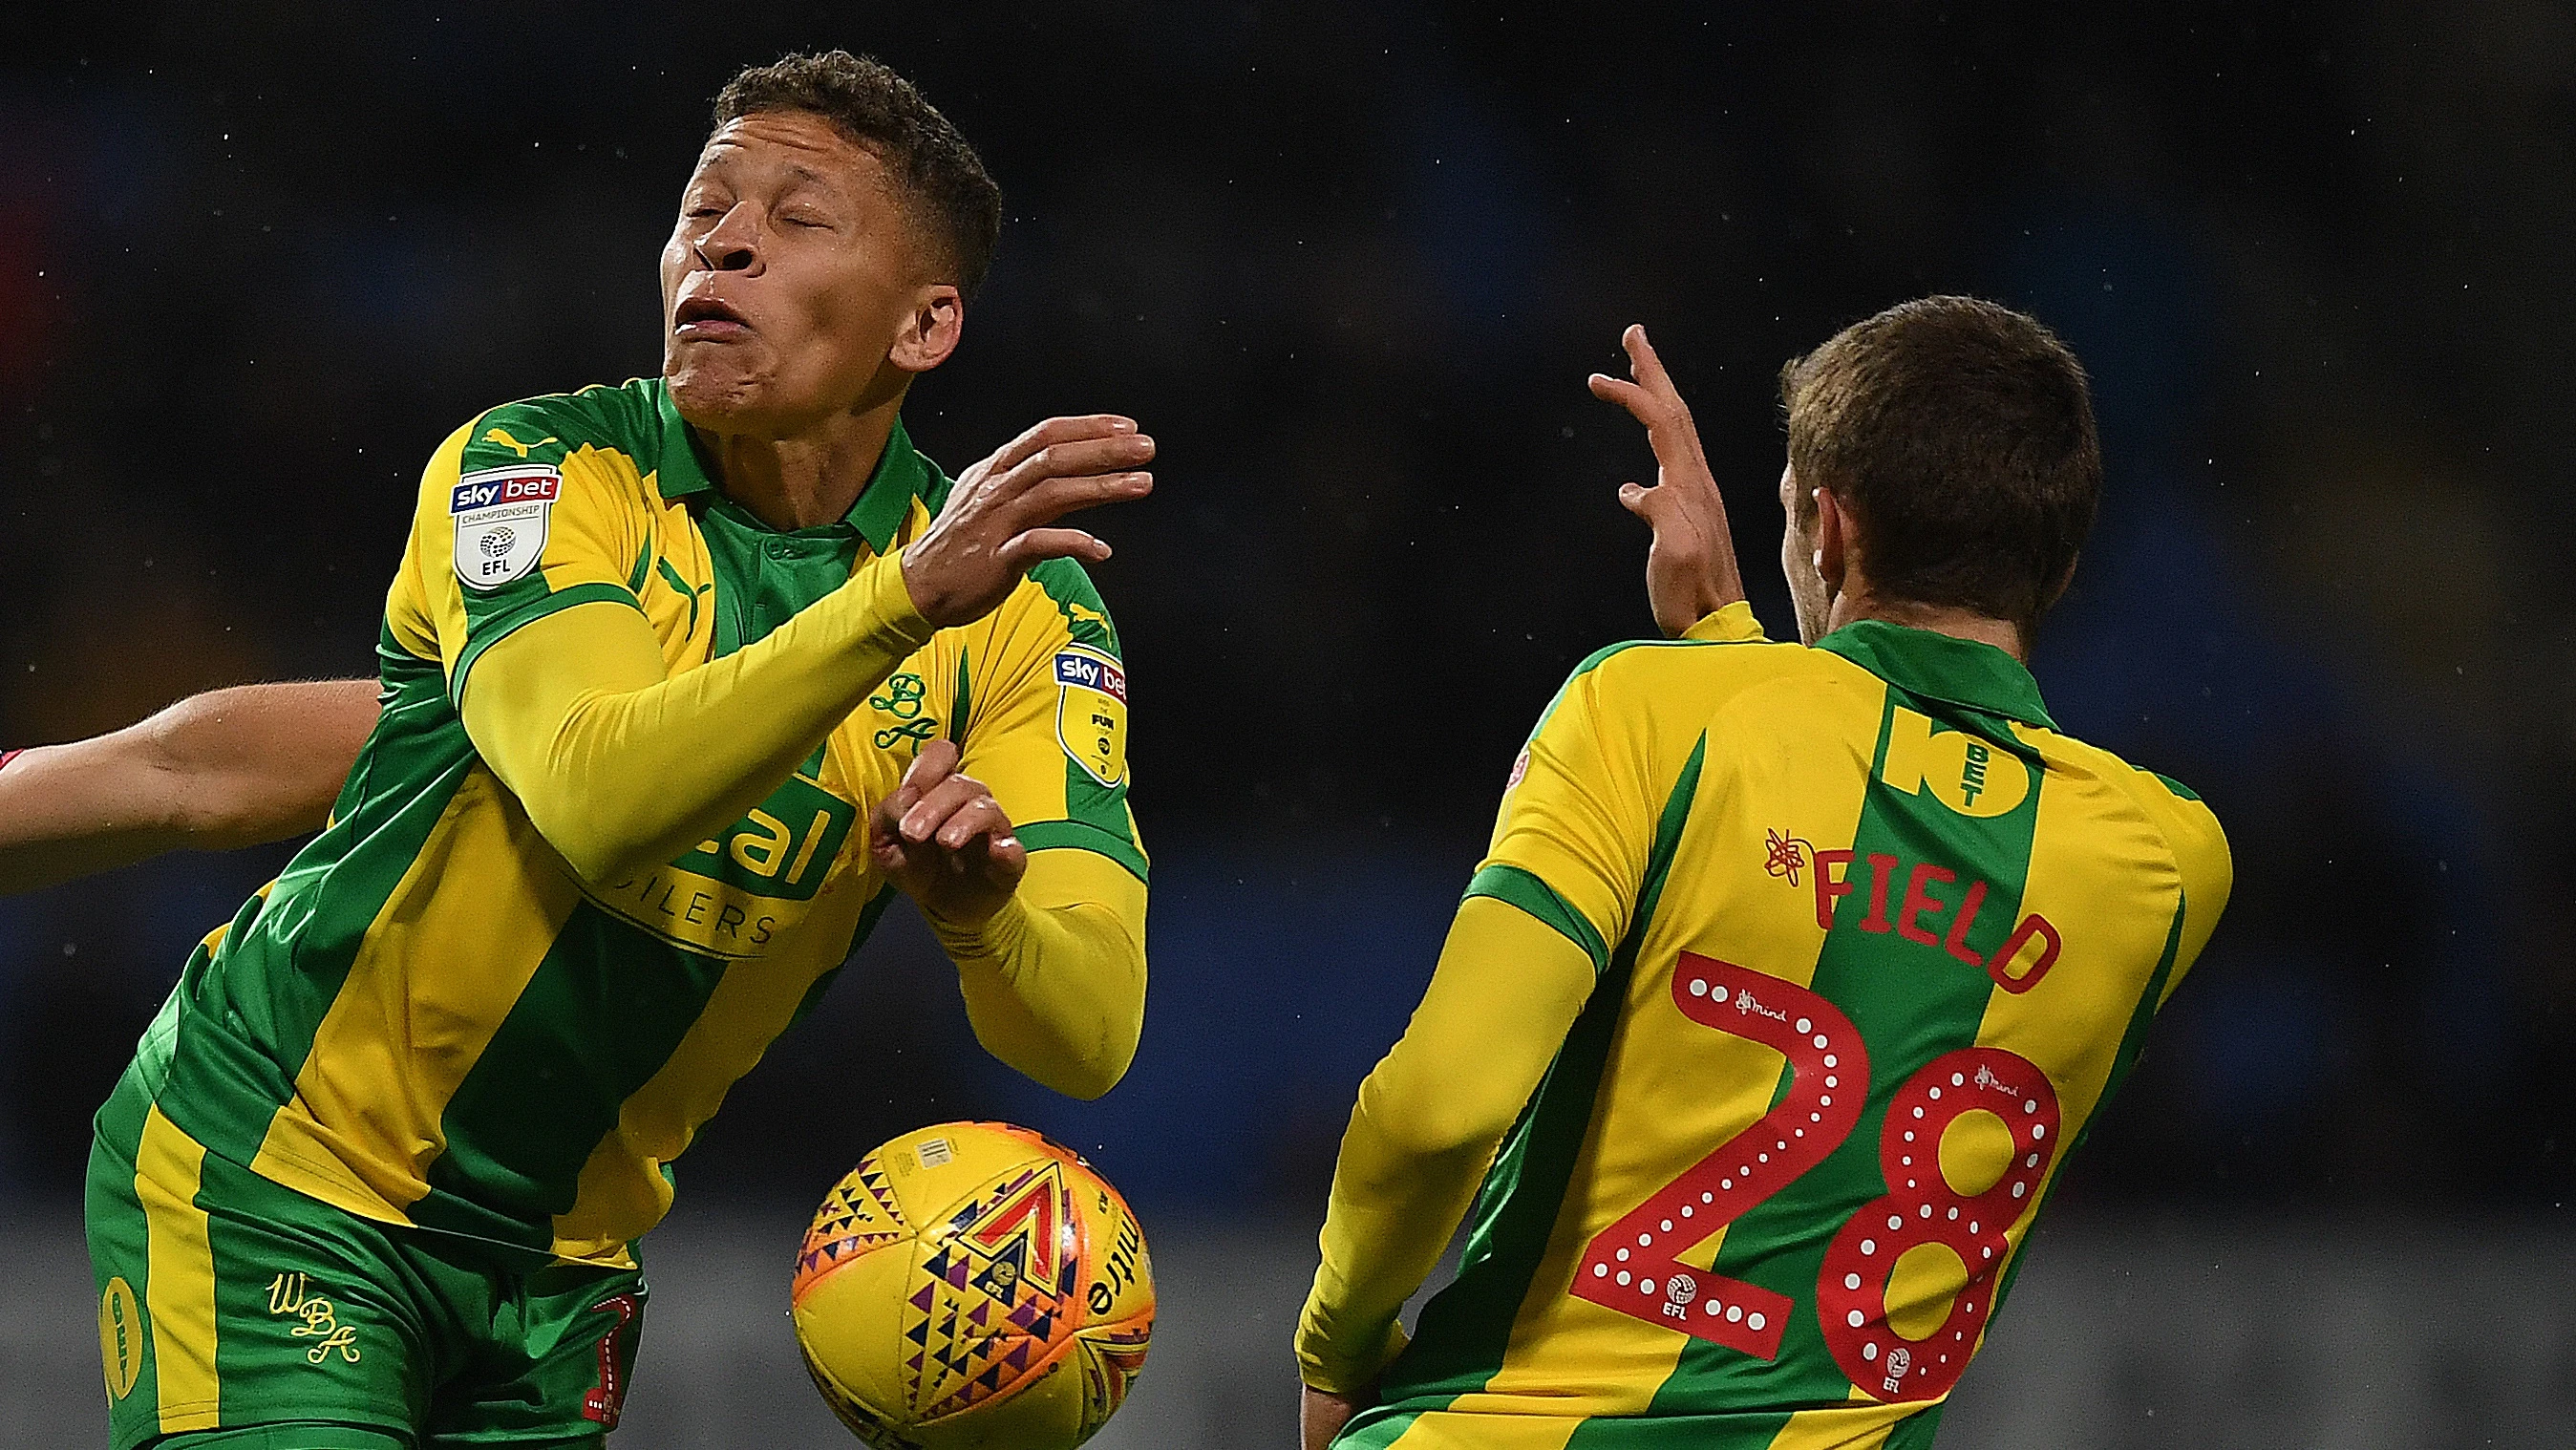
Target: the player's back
pixel 1874 943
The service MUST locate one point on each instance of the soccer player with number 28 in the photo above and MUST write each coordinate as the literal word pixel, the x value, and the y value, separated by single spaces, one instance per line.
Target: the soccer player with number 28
pixel 1793 971
pixel 681 681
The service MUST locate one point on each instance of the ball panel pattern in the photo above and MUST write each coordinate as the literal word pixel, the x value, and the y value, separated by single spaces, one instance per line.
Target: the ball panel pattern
pixel 970 1285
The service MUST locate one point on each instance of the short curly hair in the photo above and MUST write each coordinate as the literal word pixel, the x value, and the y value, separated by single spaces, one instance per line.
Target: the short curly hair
pixel 951 197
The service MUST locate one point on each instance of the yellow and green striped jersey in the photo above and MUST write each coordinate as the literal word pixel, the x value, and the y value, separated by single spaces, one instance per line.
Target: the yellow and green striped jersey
pixel 428 1019
pixel 1874 942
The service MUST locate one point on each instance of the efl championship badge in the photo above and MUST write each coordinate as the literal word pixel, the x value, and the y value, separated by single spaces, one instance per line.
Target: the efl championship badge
pixel 1091 713
pixel 501 516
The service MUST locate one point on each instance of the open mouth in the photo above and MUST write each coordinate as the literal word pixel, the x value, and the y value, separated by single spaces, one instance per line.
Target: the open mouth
pixel 706 317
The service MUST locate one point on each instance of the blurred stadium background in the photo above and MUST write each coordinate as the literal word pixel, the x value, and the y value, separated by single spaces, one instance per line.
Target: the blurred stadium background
pixel 1350 264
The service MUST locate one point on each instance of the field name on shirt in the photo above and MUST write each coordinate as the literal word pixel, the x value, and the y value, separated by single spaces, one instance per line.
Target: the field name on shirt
pixel 2033 937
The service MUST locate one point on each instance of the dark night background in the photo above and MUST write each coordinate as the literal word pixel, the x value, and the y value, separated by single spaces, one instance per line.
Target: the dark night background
pixel 1350 264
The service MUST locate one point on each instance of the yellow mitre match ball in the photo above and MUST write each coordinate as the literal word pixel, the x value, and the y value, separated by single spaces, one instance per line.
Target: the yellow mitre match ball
pixel 973 1284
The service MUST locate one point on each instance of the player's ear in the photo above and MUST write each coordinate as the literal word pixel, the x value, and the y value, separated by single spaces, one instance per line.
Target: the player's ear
pixel 931 333
pixel 1833 542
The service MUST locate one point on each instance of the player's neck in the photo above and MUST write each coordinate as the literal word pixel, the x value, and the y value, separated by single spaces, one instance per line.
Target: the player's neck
pixel 1854 605
pixel 806 478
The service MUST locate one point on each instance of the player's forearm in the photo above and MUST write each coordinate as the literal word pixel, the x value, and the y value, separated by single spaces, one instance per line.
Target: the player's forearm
pixel 259 763
pixel 1429 1119
pixel 1394 1209
pixel 1055 982
pixel 69 810
pixel 227 768
pixel 620 767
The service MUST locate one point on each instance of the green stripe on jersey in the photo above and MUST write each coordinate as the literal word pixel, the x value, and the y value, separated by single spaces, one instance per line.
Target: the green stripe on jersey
pixel 1911 1003
pixel 1079 836
pixel 1369 1431
pixel 1915 1432
pixel 1514 886
pixel 1467 1328
pixel 604 1011
pixel 248 1010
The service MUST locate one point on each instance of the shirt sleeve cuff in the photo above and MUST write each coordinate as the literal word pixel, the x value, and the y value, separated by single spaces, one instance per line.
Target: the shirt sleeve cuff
pixel 885 596
pixel 1334 1374
pixel 1733 624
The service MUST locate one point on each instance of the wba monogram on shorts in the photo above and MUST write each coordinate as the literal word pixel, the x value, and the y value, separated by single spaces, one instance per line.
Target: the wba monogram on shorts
pixel 293 1294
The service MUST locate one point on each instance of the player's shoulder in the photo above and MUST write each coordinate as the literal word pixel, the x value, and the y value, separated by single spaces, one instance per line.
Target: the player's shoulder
pixel 1061 591
pixel 547 430
pixel 1697 677
pixel 2190 827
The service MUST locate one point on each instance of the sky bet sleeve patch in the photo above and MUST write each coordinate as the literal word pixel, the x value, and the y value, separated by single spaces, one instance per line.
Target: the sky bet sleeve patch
pixel 1091 713
pixel 501 516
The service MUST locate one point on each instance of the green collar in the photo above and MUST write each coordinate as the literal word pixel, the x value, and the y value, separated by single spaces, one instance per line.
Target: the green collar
pixel 902 475
pixel 1938 666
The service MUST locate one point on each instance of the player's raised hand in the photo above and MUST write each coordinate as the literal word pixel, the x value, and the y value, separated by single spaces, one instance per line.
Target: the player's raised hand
pixel 945 841
pixel 999 515
pixel 1690 567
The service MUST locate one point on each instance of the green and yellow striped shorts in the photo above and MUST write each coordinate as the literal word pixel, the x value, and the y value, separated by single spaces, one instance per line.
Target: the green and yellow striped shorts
pixel 235 1312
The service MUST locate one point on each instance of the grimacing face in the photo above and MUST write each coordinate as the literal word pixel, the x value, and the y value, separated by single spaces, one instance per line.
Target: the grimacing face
pixel 793 285
pixel 1807 590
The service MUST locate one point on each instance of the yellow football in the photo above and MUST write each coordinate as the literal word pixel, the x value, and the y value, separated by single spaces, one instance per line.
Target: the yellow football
pixel 971 1285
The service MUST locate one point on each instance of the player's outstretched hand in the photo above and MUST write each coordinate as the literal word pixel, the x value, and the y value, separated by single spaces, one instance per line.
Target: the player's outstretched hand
pixel 1690 567
pixel 999 514
pixel 943 839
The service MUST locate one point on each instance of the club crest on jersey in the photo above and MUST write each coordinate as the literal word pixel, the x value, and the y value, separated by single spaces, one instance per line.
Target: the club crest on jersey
pixel 501 516
pixel 1091 713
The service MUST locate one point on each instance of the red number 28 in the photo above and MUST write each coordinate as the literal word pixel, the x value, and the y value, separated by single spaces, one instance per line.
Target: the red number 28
pixel 1633 1267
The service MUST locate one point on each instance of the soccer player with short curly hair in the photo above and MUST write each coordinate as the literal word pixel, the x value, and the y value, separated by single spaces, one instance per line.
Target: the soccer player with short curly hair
pixel 1792 972
pixel 681 681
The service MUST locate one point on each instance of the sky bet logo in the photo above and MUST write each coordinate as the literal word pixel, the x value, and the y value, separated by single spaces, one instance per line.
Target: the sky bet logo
pixel 1091 672
pixel 487 490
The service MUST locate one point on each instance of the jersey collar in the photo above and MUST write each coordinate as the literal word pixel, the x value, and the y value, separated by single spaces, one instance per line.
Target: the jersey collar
pixel 901 476
pixel 1938 666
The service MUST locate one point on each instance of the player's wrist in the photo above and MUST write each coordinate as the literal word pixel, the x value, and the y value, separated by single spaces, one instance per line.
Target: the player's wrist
pixel 966 935
pixel 890 614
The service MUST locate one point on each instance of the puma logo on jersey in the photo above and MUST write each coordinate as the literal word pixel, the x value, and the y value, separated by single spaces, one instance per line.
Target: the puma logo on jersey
pixel 502 437
pixel 1080 615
